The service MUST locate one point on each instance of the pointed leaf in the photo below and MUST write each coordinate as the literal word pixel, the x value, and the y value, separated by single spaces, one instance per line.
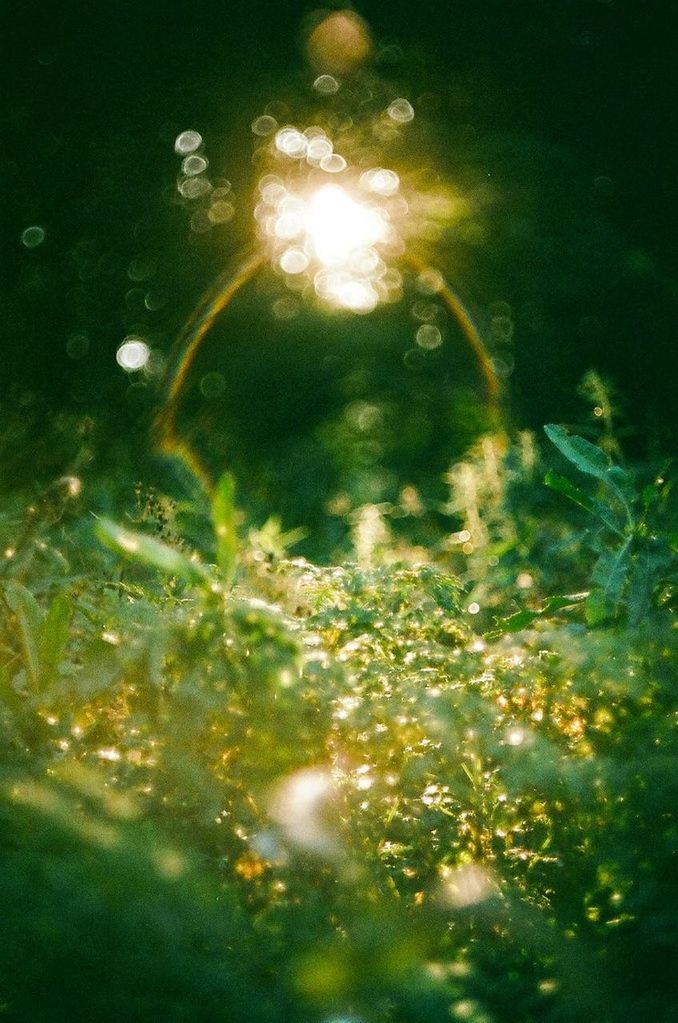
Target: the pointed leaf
pixel 622 481
pixel 524 618
pixel 29 619
pixel 646 573
pixel 55 632
pixel 561 484
pixel 597 609
pixel 581 453
pixel 607 515
pixel 148 551
pixel 558 602
pixel 610 573
pixel 518 621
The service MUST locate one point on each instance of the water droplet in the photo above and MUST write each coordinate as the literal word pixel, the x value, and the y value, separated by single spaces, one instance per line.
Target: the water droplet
pixel 109 753
pixel 515 736
pixel 141 269
pixel 154 300
pixel 157 363
pixel 200 222
pixel 430 281
pixel 505 365
pixel 501 329
pixel 319 148
pixel 414 359
pixel 381 181
pixel 134 300
pixel 427 312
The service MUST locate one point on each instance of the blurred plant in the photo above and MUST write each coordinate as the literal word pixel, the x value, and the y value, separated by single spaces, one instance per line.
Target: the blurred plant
pixel 510 544
pixel 605 411
pixel 254 786
pixel 635 573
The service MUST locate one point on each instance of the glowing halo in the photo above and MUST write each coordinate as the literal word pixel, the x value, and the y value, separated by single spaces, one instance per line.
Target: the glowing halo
pixel 335 232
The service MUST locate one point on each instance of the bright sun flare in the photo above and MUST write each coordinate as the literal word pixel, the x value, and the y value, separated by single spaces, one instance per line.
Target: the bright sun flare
pixel 335 238
pixel 340 228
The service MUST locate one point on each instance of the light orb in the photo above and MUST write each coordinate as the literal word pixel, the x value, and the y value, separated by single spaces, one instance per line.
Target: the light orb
pixel 338 235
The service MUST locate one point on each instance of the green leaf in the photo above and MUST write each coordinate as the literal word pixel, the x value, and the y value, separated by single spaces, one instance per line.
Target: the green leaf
pixel 55 632
pixel 622 482
pixel 146 550
pixel 554 481
pixel 518 621
pixel 610 573
pixel 469 774
pixel 581 453
pixel 593 462
pixel 524 618
pixel 558 603
pixel 647 571
pixel 29 619
pixel 223 519
pixel 8 693
pixel 606 515
pixel 597 609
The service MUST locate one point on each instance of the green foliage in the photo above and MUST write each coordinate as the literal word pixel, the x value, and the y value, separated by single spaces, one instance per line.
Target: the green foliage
pixel 299 793
pixel 636 567
pixel 146 550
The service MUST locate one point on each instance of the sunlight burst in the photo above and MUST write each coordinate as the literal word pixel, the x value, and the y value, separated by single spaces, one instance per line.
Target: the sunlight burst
pixel 335 237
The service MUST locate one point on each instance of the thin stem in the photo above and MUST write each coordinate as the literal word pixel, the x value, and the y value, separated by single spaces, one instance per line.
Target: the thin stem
pixel 455 306
pixel 217 299
pixel 214 302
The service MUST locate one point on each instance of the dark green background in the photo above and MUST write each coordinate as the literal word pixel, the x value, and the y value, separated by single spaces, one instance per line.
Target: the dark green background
pixel 566 110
